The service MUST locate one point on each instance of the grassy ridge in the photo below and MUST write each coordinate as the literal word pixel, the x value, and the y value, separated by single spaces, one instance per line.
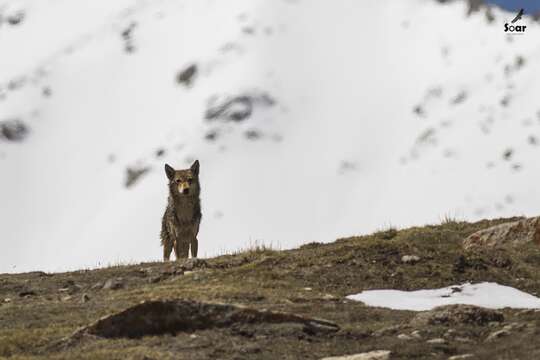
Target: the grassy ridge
pixel 311 280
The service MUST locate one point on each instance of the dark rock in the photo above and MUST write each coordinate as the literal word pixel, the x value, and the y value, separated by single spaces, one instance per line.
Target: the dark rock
pixel 212 135
pixel 187 76
pixel 419 110
pixel 463 263
pixel 85 298
pixel 17 83
pixel 13 130
pixel 316 328
pixel 519 62
pixel 134 174
pixel 346 166
pixel 252 134
pixel 501 260
pixel 456 315
pixel 505 101
pixel 46 91
pixel 461 97
pixel 127 33
pixel 236 108
pixel 40 274
pixel 169 317
pixel 16 18
pixel 507 154
pixel 428 136
pixel 160 153
pixel 127 36
pixel 248 30
pixel 489 15
pixel 27 293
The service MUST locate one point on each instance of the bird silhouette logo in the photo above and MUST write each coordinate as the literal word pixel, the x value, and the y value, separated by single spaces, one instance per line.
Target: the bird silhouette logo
pixel 518 16
pixel 512 29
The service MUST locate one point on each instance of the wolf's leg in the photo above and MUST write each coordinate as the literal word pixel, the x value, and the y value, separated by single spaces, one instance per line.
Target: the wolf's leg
pixel 167 249
pixel 194 246
pixel 182 249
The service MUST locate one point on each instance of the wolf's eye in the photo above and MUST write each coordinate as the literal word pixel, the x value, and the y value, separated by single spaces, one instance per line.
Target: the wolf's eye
pixel 190 180
pixel 177 181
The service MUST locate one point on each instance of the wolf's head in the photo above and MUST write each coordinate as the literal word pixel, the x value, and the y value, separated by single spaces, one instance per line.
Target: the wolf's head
pixel 184 182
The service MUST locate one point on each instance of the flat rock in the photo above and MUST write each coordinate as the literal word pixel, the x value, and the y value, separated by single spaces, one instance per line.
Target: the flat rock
pixel 436 341
pixel 114 284
pixel 461 357
pixel 410 259
pixel 404 337
pixel 372 355
pixel 508 234
pixel 497 335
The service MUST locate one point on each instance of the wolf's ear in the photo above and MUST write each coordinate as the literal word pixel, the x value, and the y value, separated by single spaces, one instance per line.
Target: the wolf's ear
pixel 195 167
pixel 169 171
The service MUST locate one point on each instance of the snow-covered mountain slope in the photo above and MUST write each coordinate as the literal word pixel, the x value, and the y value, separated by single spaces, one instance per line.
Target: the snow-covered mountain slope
pixel 340 118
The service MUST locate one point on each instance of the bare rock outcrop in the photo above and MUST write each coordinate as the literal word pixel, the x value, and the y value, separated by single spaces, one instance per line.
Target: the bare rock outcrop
pixel 507 234
pixel 172 316
pixel 236 108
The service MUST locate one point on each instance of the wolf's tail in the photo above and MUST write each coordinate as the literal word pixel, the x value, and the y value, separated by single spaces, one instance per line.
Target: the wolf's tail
pixel 164 235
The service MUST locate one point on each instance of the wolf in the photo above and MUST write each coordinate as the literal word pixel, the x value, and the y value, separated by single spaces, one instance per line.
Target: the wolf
pixel 180 223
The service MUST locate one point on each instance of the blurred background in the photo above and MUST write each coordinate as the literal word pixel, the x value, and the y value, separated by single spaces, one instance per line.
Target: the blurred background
pixel 312 120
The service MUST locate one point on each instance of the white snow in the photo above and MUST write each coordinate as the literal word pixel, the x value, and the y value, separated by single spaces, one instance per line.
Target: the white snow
pixel 341 152
pixel 486 294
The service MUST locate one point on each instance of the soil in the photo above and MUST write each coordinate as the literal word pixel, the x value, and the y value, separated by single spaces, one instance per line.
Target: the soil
pixel 57 315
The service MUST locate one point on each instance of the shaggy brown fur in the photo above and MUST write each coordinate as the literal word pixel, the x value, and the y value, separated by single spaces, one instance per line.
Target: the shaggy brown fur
pixel 180 224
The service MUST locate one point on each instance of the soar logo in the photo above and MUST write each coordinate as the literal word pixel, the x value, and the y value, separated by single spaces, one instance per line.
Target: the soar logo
pixel 515 29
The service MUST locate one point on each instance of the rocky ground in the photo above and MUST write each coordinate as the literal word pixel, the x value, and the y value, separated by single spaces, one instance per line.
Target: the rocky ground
pixel 267 304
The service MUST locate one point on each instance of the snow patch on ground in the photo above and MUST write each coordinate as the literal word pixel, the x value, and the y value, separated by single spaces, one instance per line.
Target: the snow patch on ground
pixel 486 294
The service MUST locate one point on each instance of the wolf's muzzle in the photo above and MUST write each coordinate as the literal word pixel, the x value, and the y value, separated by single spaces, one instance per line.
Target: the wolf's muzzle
pixel 183 188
